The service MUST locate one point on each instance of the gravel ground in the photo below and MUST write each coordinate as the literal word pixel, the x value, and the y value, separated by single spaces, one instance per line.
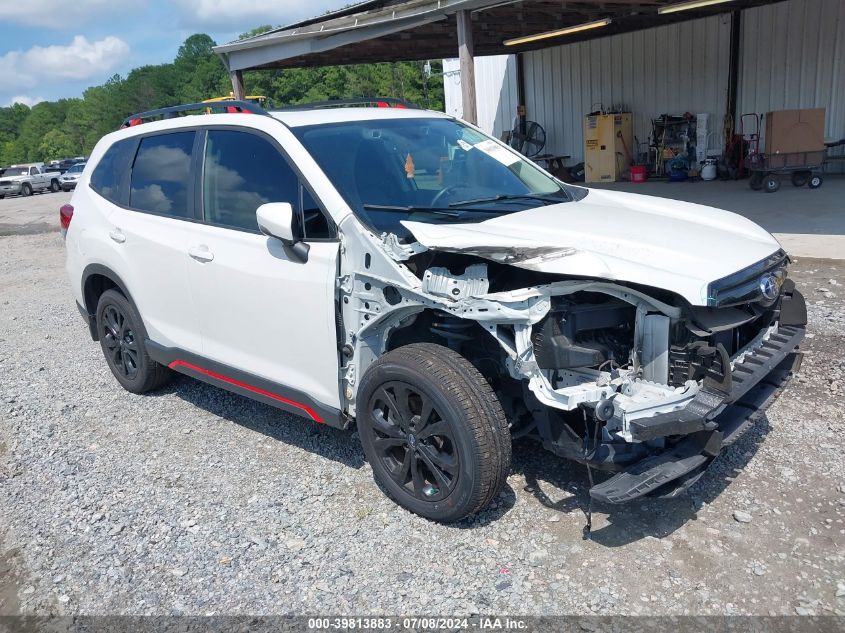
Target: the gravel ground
pixel 192 500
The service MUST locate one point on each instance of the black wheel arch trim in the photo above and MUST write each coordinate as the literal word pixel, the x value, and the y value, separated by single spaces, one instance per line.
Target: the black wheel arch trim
pixel 90 311
pixel 246 384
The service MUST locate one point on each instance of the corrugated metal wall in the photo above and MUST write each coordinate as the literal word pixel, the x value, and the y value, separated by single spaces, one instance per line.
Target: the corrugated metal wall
pixel 670 69
pixel 495 87
pixel 793 56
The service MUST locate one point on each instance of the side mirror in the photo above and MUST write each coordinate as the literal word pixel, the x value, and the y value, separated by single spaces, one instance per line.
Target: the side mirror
pixel 277 219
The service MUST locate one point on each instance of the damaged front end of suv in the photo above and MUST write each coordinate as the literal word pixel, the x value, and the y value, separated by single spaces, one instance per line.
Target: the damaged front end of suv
pixel 632 334
pixel 624 378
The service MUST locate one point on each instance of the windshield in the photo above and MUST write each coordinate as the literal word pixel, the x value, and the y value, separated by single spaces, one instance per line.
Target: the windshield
pixel 17 171
pixel 429 170
pixel 76 169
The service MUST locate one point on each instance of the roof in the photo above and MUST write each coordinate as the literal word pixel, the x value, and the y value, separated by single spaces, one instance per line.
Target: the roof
pixel 288 117
pixel 393 30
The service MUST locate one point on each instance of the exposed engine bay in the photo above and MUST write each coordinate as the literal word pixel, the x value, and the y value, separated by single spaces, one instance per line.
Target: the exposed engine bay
pixel 609 373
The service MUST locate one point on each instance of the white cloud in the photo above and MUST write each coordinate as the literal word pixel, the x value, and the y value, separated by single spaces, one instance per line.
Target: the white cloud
pixel 27 101
pixel 79 60
pixel 52 14
pixel 233 15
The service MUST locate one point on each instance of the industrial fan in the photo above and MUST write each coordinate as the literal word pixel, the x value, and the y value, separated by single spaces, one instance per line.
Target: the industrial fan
pixel 527 138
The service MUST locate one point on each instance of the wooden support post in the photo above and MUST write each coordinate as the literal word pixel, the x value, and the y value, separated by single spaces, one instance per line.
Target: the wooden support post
pixel 237 84
pixel 465 53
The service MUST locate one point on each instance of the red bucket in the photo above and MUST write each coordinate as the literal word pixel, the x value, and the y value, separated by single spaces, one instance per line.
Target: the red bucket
pixel 637 173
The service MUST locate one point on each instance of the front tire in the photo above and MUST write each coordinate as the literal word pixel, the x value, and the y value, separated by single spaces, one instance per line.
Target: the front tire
pixel 433 432
pixel 122 341
pixel 26 189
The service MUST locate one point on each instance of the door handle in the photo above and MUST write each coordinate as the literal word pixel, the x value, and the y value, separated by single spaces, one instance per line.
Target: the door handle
pixel 118 236
pixel 201 253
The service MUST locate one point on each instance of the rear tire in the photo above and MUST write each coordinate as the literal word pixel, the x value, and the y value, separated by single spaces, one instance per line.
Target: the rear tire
pixel 26 189
pixel 433 432
pixel 122 338
pixel 54 186
pixel 815 182
pixel 771 183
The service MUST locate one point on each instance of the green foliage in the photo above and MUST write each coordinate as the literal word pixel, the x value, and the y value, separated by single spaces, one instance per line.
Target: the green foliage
pixel 71 127
pixel 56 144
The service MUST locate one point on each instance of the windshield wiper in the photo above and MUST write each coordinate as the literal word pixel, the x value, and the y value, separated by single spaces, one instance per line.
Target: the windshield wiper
pixel 510 196
pixel 451 213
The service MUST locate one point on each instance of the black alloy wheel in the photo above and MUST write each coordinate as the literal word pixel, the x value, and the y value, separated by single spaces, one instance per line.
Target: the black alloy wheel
pixel 119 339
pixel 415 444
pixel 433 431
pixel 122 336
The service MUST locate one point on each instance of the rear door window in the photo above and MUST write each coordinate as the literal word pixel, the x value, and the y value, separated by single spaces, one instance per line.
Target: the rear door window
pixel 109 177
pixel 161 175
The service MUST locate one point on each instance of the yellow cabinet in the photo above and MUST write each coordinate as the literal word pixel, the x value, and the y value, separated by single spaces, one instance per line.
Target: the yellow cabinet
pixel 608 146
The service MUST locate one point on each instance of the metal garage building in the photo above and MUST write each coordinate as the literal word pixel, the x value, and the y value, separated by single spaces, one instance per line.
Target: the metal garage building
pixel 720 57
pixel 791 55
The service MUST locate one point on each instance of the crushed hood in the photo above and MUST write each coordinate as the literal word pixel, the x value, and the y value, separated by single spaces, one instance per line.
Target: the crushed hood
pixel 677 246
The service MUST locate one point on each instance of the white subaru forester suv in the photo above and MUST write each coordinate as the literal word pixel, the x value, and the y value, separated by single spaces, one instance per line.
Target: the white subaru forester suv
pixel 397 269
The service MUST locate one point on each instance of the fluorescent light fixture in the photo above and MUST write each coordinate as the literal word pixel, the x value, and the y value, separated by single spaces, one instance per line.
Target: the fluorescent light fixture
pixel 569 29
pixel 685 6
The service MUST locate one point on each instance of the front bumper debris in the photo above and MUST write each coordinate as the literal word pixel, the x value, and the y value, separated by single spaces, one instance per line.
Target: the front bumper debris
pixel 713 420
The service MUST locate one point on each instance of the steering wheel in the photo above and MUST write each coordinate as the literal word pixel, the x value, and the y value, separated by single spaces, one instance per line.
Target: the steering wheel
pixel 448 191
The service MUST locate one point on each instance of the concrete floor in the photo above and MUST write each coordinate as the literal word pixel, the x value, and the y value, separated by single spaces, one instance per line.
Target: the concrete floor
pixel 807 222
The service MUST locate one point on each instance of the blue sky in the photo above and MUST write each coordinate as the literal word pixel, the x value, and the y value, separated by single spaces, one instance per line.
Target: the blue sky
pixel 51 49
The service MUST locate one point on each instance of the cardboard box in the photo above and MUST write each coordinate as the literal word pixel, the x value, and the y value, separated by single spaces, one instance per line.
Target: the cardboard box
pixel 789 131
pixel 608 143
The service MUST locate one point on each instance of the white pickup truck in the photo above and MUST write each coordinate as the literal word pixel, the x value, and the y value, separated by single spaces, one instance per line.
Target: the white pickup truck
pixel 27 179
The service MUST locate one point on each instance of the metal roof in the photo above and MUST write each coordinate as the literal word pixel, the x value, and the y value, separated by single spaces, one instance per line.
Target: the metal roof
pixel 393 30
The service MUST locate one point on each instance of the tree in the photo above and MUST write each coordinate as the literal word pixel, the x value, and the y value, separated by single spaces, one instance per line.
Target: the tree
pixel 195 49
pixel 56 145
pixel 42 118
pixel 69 127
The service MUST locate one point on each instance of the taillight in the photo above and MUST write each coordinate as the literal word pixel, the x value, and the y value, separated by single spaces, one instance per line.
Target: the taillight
pixel 66 215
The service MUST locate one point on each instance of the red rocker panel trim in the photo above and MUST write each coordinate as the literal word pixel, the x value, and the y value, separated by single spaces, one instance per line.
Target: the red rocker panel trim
pixel 242 385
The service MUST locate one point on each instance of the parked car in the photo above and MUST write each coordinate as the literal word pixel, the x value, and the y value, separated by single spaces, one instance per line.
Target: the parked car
pixel 399 270
pixel 69 179
pixel 27 179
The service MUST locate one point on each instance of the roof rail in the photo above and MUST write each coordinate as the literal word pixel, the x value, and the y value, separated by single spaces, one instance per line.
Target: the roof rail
pixel 374 102
pixel 206 107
